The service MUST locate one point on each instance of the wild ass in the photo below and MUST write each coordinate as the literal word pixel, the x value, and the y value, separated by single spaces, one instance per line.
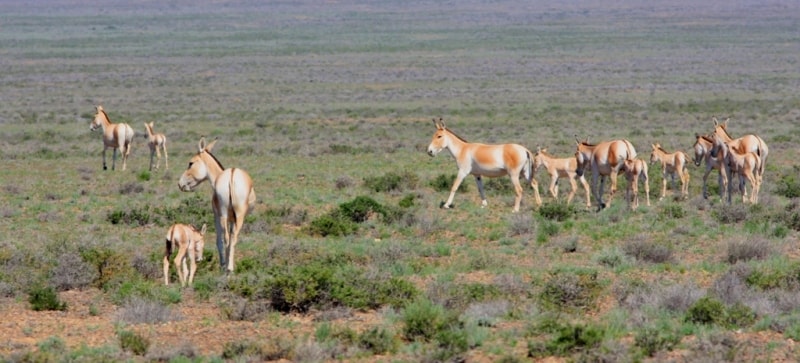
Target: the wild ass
pixel 604 159
pixel 117 136
pixel 635 169
pixel 187 241
pixel 560 168
pixel 156 141
pixel 744 144
pixel 702 152
pixel 747 165
pixel 671 164
pixel 233 196
pixel 483 160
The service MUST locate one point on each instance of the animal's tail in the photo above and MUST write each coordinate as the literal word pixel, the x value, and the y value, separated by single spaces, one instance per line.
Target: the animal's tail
pixel 230 196
pixel 528 168
pixel 169 242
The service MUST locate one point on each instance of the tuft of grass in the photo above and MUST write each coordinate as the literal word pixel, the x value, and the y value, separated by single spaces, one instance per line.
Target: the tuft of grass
pixel 132 342
pixel 44 298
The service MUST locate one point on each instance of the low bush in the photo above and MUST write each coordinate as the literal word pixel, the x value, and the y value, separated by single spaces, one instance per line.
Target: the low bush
pixel 392 181
pixel 747 249
pixel 557 211
pixel 570 290
pixel 568 339
pixel 672 211
pixel 730 213
pixel 422 319
pixel 643 249
pixel 377 340
pixel 789 185
pixel 132 342
pixel 44 298
pixel 653 339
pixel 707 310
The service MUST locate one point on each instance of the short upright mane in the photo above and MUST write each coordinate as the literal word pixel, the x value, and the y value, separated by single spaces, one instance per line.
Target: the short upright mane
pixel 662 149
pixel 106 116
pixel 215 159
pixel 456 135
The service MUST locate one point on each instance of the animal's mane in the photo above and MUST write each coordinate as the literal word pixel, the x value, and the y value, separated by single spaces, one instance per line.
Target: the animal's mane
pixel 662 149
pixel 725 130
pixel 456 135
pixel 215 159
pixel 587 144
pixel 707 138
pixel 106 116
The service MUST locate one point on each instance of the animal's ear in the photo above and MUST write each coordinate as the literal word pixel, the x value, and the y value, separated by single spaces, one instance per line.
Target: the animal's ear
pixel 725 124
pixel 202 144
pixel 538 149
pixel 436 123
pixel 577 141
pixel 441 123
pixel 99 108
pixel 211 145
pixel 714 118
pixel 544 150
pixel 203 229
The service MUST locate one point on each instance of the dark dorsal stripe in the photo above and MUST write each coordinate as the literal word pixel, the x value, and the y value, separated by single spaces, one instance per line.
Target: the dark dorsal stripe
pixel 215 159
pixel 456 135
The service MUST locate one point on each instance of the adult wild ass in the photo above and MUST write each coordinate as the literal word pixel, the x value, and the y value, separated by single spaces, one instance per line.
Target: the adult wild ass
pixel 560 168
pixel 604 159
pixel 483 160
pixel 117 136
pixel 744 144
pixel 233 196
pixel 156 141
pixel 671 164
pixel 187 241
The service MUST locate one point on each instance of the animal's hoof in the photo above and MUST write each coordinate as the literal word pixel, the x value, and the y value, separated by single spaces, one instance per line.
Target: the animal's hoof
pixel 105 168
pixel 445 206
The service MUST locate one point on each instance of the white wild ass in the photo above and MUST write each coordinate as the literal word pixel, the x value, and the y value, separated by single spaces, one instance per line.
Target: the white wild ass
pixel 117 136
pixel 604 159
pixel 189 244
pixel 671 164
pixel 233 196
pixel 483 160
pixel 560 168
pixel 156 142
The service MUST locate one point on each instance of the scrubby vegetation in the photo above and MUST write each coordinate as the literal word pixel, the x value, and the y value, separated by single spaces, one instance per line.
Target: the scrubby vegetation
pixel 347 255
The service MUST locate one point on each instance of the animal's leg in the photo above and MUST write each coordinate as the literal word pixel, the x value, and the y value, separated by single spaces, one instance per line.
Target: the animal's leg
pixel 646 189
pixel 613 176
pixel 586 189
pixel 685 183
pixel 192 264
pixel 235 239
pixel 574 187
pixel 705 179
pixel 729 183
pixel 479 181
pixel 158 157
pixel 597 185
pixel 125 151
pixel 663 185
pixel 459 178
pixel 517 191
pixel 166 157
pixel 220 238
pixel 104 158
pixel 536 196
pixel 553 187
pixel 228 245
pixel 167 253
pixel 152 151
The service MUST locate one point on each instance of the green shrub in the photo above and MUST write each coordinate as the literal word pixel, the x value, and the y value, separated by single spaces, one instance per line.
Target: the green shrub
pixel 332 224
pixel 707 310
pixel 557 211
pixel 568 290
pixel 136 216
pixel 132 342
pixel 422 319
pixel 789 185
pixel 392 182
pixel 377 341
pixel 730 213
pixel 360 209
pixel 44 298
pixel 110 264
pixel 740 316
pixel 143 175
pixel 573 338
pixel 643 249
pixel 672 211
pixel 655 339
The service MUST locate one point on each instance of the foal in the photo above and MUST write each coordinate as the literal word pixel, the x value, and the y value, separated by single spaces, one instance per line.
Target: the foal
pixel 186 239
pixel 156 141
pixel 747 165
pixel 634 169
pixel 560 168
pixel 671 164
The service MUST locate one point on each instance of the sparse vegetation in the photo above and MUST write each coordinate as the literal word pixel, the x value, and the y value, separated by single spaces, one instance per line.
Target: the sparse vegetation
pixel 347 254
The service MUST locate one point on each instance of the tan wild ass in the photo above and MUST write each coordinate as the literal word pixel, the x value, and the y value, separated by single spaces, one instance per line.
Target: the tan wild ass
pixel 747 165
pixel 702 152
pixel 187 241
pixel 560 168
pixel 117 136
pixel 604 159
pixel 233 196
pixel 671 164
pixel 483 160
pixel 635 169
pixel 744 144
pixel 156 141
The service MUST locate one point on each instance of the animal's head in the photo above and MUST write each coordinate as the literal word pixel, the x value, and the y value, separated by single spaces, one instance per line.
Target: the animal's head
pixel 538 158
pixel 197 171
pixel 653 155
pixel 582 155
pixel 99 118
pixel 439 141
pixel 718 147
pixel 699 149
pixel 199 242
pixel 721 128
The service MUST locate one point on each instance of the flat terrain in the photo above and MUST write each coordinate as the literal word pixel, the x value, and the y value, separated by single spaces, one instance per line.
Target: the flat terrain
pixel 325 102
